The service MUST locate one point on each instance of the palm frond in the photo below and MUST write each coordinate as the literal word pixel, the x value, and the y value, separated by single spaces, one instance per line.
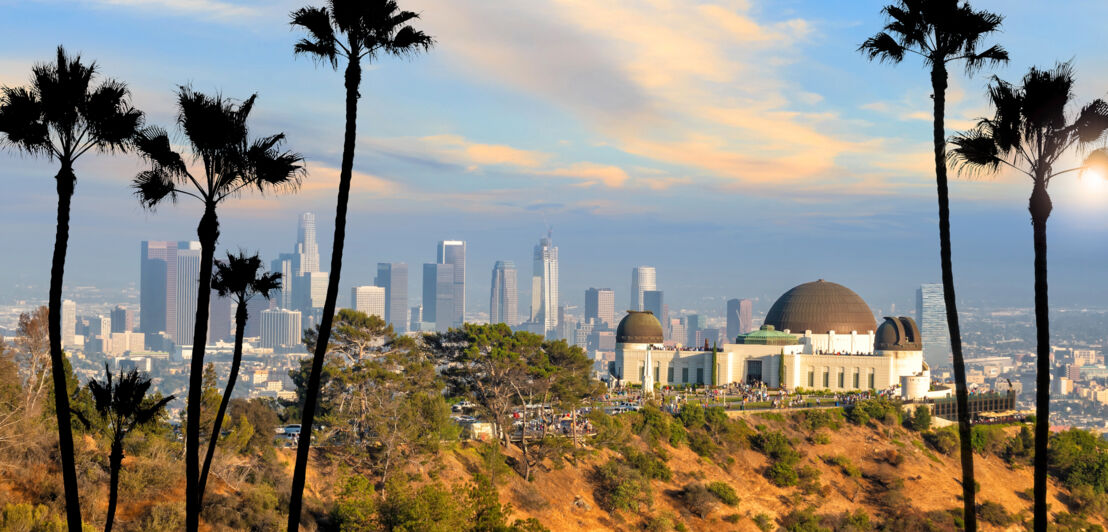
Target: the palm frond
pixel 1091 122
pixel 975 152
pixel 111 120
pixel 271 169
pixel 21 121
pixel 409 41
pixel 321 46
pixel 882 47
pixel 995 55
pixel 1045 94
pixel 1097 160
pixel 151 187
pixel 62 87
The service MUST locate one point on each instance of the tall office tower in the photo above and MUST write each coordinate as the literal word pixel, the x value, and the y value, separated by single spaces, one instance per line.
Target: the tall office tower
pixel 931 315
pixel 740 318
pixel 693 323
pixel 306 247
pixel 219 319
pixel 123 319
pixel 713 336
pixel 254 308
pixel 69 322
pixel 566 325
pixel 415 319
pixel 643 278
pixel 157 287
pixel 453 252
pixel 654 301
pixel 286 265
pixel 280 328
pixel 99 326
pixel 544 285
pixel 188 282
pixel 393 277
pixel 369 299
pixel 600 305
pixel 677 331
pixel 438 295
pixel 317 288
pixel 504 297
pixel 581 333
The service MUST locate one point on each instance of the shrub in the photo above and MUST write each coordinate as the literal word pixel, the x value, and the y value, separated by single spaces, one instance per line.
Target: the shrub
pixel 844 463
pixel 677 434
pixel 921 419
pixel 944 440
pixel 1086 501
pixel 888 411
pixel 659 523
pixel 652 424
pixel 821 438
pixel 1020 447
pixel 699 499
pixel 691 415
pixel 732 518
pixel 702 444
pixel 988 439
pixel 724 492
pixel 611 431
pixel 993 513
pixel 776 446
pixel 819 418
pixel 163 517
pixel 621 487
pixel 763 522
pixel 808 479
pixel 782 474
pixel 431 506
pixel 651 466
pixel 804 520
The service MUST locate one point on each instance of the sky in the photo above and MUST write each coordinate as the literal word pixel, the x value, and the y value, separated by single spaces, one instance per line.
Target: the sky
pixel 739 146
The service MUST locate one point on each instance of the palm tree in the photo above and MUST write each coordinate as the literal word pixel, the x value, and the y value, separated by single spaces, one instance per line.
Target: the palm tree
pixel 1029 132
pixel 942 32
pixel 241 277
pixel 353 30
pixel 62 115
pixel 122 406
pixel 215 130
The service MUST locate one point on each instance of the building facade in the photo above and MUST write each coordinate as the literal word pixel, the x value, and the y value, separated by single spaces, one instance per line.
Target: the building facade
pixel 504 294
pixel 544 286
pixel 438 295
pixel 393 277
pixel 643 278
pixel 740 318
pixel 931 316
pixel 600 306
pixel 280 329
pixel 369 299
pixel 453 252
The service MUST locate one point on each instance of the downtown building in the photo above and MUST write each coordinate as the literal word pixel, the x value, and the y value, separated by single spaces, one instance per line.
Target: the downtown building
pixel 438 312
pixel 393 277
pixel 504 294
pixel 453 252
pixel 643 278
pixel 600 307
pixel 740 318
pixel 281 330
pixel 369 299
pixel 931 315
pixel 544 287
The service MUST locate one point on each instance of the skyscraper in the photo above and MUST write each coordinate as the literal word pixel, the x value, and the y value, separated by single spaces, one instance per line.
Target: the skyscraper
pixel 504 297
pixel 123 319
pixel 654 301
pixel 453 252
pixel 280 328
pixel 188 281
pixel 219 318
pixel 544 285
pixel 369 299
pixel 931 315
pixel 393 277
pixel 286 265
pixel 600 305
pixel 438 295
pixel 740 318
pixel 306 246
pixel 69 323
pixel 693 323
pixel 643 278
pixel 157 287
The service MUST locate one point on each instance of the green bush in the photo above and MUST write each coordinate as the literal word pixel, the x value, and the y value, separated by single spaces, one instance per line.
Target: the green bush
pixel 1080 458
pixel 763 522
pixel 724 492
pixel 776 446
pixel 430 507
pixel 677 434
pixel 652 424
pixel 32 518
pixel 691 415
pixel 613 432
pixel 988 439
pixel 702 444
pixel 844 463
pixel 921 419
pixel 1020 447
pixel 804 520
pixel 162 517
pixel 944 440
pixel 699 499
pixel 886 410
pixel 821 438
pixel 818 418
pixel 782 474
pixel 993 513
pixel 621 487
pixel 651 466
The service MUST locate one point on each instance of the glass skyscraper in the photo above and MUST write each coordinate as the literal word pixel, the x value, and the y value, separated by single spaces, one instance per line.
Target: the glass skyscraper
pixel 393 277
pixel 453 252
pixel 931 316
pixel 643 278
pixel 544 285
pixel 504 295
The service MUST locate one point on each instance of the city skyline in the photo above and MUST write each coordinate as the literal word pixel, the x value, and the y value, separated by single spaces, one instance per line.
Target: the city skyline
pixel 571 175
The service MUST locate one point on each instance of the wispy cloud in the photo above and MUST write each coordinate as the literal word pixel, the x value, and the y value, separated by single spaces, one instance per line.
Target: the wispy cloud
pixel 207 9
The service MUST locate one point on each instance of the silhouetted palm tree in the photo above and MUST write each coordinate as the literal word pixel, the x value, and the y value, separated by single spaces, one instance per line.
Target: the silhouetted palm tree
pixel 62 115
pixel 240 277
pixel 122 406
pixel 1030 131
pixel 353 30
pixel 215 131
pixel 941 32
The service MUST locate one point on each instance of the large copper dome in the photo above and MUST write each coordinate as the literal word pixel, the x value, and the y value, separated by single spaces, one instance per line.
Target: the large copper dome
pixel 820 307
pixel 639 328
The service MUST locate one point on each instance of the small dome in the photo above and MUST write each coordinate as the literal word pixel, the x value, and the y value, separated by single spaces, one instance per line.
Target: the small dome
pixel 820 307
pixel 898 334
pixel 639 328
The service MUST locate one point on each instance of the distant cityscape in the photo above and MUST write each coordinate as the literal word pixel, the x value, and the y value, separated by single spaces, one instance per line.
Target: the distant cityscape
pixel 155 336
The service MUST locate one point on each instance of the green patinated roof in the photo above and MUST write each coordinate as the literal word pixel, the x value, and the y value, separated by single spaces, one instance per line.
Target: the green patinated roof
pixel 767 335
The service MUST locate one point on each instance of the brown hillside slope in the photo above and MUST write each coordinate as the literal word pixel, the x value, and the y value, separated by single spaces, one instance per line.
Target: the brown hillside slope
pixel 930 484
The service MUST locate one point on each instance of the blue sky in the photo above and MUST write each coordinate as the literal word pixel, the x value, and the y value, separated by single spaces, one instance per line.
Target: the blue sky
pixel 741 147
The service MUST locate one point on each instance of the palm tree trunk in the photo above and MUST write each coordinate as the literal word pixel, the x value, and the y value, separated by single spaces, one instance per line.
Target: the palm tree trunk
pixel 969 489
pixel 115 462
pixel 208 232
pixel 66 180
pixel 236 360
pixel 1040 210
pixel 353 79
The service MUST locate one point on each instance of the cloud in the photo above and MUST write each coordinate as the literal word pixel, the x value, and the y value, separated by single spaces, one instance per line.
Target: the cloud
pixel 475 154
pixel 208 9
pixel 592 173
